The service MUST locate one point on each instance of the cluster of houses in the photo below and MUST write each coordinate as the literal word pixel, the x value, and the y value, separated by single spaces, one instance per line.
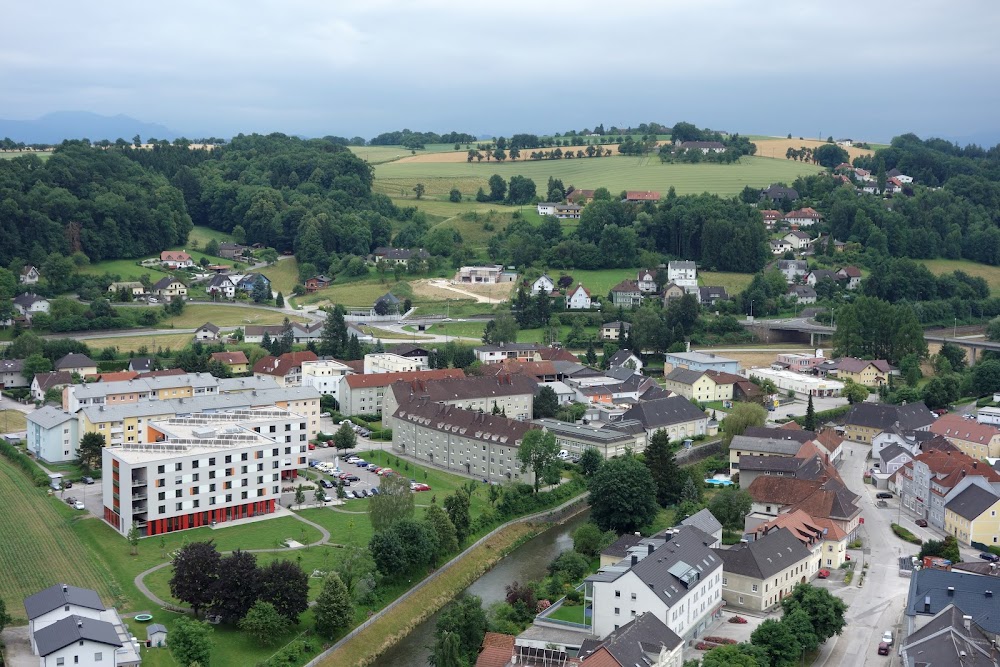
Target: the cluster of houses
pixel 666 283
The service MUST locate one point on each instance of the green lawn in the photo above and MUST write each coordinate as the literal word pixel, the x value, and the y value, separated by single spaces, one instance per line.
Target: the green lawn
pixel 359 293
pixel 205 234
pixel 615 173
pixel 733 282
pixel 284 275
pixel 990 273
pixel 599 282
pixel 535 335
pixel 465 329
pixel 12 420
pixel 126 344
pixel 569 613
pixel 195 315
pixel 10 155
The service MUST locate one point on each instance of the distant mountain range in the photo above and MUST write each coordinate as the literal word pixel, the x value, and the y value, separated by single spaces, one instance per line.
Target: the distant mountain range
pixel 53 128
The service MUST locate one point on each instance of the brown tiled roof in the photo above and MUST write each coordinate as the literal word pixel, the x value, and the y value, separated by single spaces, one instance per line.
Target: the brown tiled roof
pixel 497 650
pixel 724 378
pixel 829 439
pixel 360 381
pixel 280 366
pixel 639 195
pixel 115 377
pixel 852 271
pixel 791 426
pixel 956 427
pixel 556 354
pixel 626 286
pixel 803 526
pixel 52 379
pixel 531 368
pixel 806 212
pixel 460 388
pixel 230 358
pixel 466 423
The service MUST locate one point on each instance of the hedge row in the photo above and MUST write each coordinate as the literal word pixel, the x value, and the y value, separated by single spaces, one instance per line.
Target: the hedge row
pixel 18 458
pixel 904 534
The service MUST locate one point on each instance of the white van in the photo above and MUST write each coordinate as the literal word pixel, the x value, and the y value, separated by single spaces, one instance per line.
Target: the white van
pixel 563 454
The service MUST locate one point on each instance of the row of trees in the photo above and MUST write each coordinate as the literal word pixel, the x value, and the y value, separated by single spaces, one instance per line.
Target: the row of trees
pixel 520 190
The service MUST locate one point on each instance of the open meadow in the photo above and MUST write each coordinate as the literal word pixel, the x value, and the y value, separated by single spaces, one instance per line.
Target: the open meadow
pixel 38 546
pixel 775 147
pixel 284 275
pixel 991 274
pixel 127 344
pixel 397 179
pixel 12 421
pixel 196 314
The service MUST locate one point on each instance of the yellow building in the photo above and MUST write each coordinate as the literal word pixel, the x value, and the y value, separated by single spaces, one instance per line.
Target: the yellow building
pixel 703 386
pixel 973 516
pixel 870 373
pixel 236 362
pixel 979 441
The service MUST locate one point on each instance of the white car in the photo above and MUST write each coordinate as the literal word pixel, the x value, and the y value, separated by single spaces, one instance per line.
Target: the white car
pixel 152 299
pixel 353 460
pixel 327 498
pixel 78 505
pixel 887 637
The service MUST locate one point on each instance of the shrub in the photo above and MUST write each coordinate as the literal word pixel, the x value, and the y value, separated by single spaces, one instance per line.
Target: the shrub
pixel 18 458
pixel 904 534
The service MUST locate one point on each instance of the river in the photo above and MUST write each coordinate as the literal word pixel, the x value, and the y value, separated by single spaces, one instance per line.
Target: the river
pixel 527 563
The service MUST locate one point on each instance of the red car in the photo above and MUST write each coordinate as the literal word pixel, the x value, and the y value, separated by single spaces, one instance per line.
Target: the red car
pixel 847 556
pixel 421 487
pixel 883 648
pixel 921 522
pixel 823 574
pixel 311 446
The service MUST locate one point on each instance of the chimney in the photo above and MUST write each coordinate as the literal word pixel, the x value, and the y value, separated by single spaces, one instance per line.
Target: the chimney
pixel 635 559
pixel 650 548
pixel 637 533
pixel 79 623
pixel 65 588
pixel 951 591
pixel 967 623
pixel 989 594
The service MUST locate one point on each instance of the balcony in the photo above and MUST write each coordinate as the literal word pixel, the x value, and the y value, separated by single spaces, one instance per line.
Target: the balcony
pixel 138 496
pixel 139 481
pixel 139 508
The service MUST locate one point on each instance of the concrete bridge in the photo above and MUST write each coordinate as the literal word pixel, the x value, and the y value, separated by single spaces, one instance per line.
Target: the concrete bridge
pixel 793 329
pixel 972 345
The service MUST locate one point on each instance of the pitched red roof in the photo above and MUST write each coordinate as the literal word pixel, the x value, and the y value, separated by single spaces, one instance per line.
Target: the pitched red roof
pixel 386 379
pixel 638 195
pixel 556 354
pixel 851 271
pixel 956 427
pixel 806 212
pixel 626 286
pixel 174 256
pixel 280 366
pixel 114 377
pixel 230 358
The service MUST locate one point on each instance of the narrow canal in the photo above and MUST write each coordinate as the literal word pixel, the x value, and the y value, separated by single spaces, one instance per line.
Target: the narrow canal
pixel 529 562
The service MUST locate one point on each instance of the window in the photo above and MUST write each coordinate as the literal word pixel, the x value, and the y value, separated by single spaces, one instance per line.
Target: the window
pixel 178 466
pixel 162 509
pixel 162 495
pixel 177 493
pixel 617 611
pixel 618 594
pixel 741 599
pixel 60 661
pixel 633 596
pixel 160 470
pixel 725 581
pixel 753 588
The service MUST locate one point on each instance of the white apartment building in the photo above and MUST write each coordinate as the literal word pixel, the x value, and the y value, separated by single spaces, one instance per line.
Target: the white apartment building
pixel 325 376
pixel 675 576
pixel 202 469
pixel 683 274
pixel 387 362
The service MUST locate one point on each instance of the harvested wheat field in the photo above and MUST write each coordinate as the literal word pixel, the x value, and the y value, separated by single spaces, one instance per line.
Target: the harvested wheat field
pixel 777 147
pixel 442 290
pixel 463 156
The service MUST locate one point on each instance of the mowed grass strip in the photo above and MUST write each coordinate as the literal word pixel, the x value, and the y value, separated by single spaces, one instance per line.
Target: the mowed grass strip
pixel 37 546
pixel 12 420
pixel 618 173
pixel 367 645
pixel 284 275
pixel 733 282
pixel 195 315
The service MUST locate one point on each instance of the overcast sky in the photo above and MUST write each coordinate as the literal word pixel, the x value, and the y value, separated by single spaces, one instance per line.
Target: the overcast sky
pixel 860 69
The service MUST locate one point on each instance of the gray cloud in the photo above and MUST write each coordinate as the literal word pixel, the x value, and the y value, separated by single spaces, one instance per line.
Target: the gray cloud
pixel 315 68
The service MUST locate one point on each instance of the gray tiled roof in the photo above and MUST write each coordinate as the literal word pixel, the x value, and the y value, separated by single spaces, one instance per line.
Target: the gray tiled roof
pixel 49 417
pixel 684 376
pixel 945 641
pixel 929 594
pixel 972 502
pixel 73 629
pixel 662 571
pixel 883 416
pixel 797 434
pixel 59 595
pixel 638 642
pixel 765 557
pixel 11 365
pixel 74 360
pixel 620 547
pixel 892 451
pixel 704 521
pixel 665 412
pixel 767 445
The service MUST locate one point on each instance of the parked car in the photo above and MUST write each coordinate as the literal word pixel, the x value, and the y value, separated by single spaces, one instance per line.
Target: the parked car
pixel 423 487
pixel 326 484
pixel 151 299
pixel 353 459
pixel 327 498
pixel 353 478
pixel 363 492
pixel 993 558
pixel 311 446
pixel 384 471
pixel 883 494
pixel 883 648
pixel 87 480
pixel 887 637
pixel 67 484
pixel 921 522
pixel 78 505
pixel 313 463
pixel 374 491
pixel 70 500
pixel 823 574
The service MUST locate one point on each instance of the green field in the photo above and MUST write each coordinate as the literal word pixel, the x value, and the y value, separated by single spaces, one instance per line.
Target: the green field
pixel 38 546
pixel 990 273
pixel 381 154
pixel 10 155
pixel 284 275
pixel 615 173
pixel 12 420
pixel 195 315
pixel 360 293
pixel 130 269
pixel 733 282
pixel 203 235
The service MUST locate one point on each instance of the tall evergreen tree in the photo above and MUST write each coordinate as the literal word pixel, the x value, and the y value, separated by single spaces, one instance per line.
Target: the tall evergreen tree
pixel 333 340
pixel 810 421
pixel 591 355
pixel 667 475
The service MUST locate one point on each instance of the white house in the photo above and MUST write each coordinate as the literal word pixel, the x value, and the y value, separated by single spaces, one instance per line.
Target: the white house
pixel 547 208
pixel 779 246
pixel 578 298
pixel 852 274
pixel 29 304
pixel 325 375
pixel 207 331
pixel 675 576
pixel 52 434
pixel 10 374
pixel 683 274
pixel 804 217
pixel 899 176
pixel 647 280
pixel 31 276
pixel 792 269
pixel 542 283
pixel 176 259
pixel 798 240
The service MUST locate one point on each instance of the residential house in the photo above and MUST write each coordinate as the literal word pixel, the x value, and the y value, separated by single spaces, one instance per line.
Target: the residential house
pixel 776 193
pixel 702 386
pixel 542 284
pixel 979 441
pixel 206 331
pixel 29 304
pixel 675 415
pixel 326 376
pixel 141 364
pixel 674 576
pixel 853 276
pixel 772 217
pixel 799 240
pixel 780 246
pixel 317 282
pixel 417 353
pixel 671 293
pixel 827 543
pixel 971 516
pixel 489 274
pixel 546 207
pixel 763 443
pixel 683 273
pixel 625 359
pixel 286 370
pixel 472 442
pixel 578 298
pixel 802 294
pixel 640 197
pixel 934 478
pixel 169 287
pixel 912 441
pixel 506 394
pixel 866 420
pixel 626 294
pixel 248 282
pixel 52 435
pixel 932 590
pixel 951 637
pixel 699 361
pixel 387 304
pixel 176 259
pixel 816 276
pixel 236 362
pixel 824 497
pixel 711 295
pixel 491 354
pixel 577 196
pixel 758 574
pixel 386 362
pixel 706 522
pixel 77 363
pixel 892 458
pixel 364 394
pixel 645 641
pixel 792 269
pixel 613 330
pixel 619 549
pixel 133 288
pixel 223 285
pixel 804 217
pixel 703 146
pixel 231 250
pixel 29 275
pixel 10 374
pixel 800 362
pixel 568 211
pixel 899 176
pixel 399 255
pixel 869 372
pixel 646 279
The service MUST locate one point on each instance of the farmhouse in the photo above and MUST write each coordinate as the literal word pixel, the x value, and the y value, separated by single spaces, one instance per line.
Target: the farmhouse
pixel 547 208
pixel 703 146
pixel 231 250
pixel 399 255
pixel 134 288
pixel 176 259
pixel 29 304
pixel 317 282
pixel 639 197
pixel 578 298
pixel 776 193
pixel 804 217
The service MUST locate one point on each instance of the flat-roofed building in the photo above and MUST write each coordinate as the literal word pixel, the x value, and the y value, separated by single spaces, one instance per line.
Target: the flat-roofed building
pixel 799 383
pixel 608 439
pixel 386 362
pixel 203 469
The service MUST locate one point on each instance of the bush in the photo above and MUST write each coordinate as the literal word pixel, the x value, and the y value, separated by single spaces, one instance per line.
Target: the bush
pixel 18 458
pixel 574 597
pixel 904 534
